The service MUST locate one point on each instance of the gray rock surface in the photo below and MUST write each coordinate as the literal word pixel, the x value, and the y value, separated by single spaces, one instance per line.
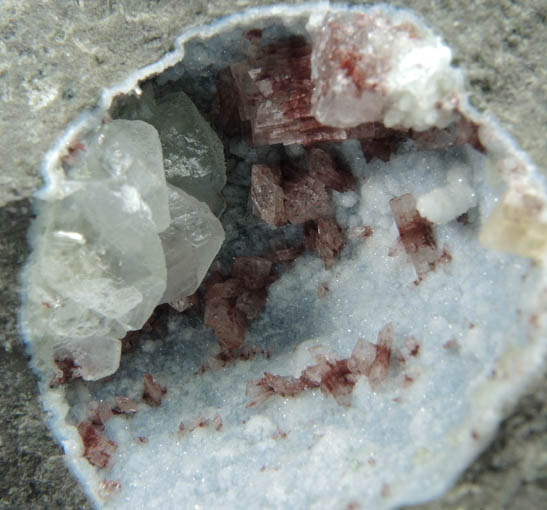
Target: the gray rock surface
pixel 55 57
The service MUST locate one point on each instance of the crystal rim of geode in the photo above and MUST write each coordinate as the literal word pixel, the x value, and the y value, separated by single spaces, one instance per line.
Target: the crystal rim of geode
pixel 517 368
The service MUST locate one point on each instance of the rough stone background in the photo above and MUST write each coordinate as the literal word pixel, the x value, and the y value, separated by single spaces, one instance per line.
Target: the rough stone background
pixel 55 57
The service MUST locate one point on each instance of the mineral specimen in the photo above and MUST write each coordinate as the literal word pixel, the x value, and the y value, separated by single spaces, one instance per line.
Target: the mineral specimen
pixel 416 234
pixel 193 155
pixel 99 267
pixel 375 67
pixel 345 131
pixel 190 244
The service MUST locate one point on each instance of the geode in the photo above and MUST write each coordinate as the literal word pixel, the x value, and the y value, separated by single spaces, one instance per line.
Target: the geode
pixel 327 283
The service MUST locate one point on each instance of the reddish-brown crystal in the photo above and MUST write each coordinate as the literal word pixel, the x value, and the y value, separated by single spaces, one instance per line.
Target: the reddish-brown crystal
pixel 322 166
pixel 261 389
pixel 125 405
pixel 68 370
pixel 267 195
pixel 326 238
pixel 101 415
pixel 153 391
pixel 416 234
pixel 273 91
pixel 227 321
pixel 306 199
pixel 98 449
pixel 338 381
pixel 252 302
pixel 379 370
pixel 253 271
pixel 228 289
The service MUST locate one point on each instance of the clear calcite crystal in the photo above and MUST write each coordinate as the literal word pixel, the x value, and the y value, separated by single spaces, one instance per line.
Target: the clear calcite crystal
pixel 190 244
pixel 193 154
pixel 373 66
pixel 100 267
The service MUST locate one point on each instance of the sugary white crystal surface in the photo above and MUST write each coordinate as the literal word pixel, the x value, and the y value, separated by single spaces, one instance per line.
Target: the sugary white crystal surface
pixel 377 66
pixel 446 203
pixel 190 243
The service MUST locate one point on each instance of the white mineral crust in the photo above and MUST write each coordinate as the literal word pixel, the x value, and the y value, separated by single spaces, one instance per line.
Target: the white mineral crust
pixel 369 67
pixel 447 202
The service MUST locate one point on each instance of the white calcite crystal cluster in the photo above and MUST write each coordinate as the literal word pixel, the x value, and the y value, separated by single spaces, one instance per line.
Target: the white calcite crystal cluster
pixel 114 239
pixel 378 300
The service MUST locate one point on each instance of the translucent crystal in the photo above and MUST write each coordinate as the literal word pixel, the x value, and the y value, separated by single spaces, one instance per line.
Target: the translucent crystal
pixel 370 67
pixel 193 154
pixel 99 269
pixel 128 152
pixel 190 243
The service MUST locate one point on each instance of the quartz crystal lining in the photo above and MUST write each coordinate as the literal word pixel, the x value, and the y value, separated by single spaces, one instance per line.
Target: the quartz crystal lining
pixel 352 343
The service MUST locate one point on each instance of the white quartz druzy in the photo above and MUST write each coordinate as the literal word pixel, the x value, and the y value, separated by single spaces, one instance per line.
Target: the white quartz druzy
pixel 369 67
pixel 190 243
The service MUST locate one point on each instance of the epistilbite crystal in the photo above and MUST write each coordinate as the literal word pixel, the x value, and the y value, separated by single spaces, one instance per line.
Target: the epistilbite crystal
pixel 190 244
pixel 368 67
pixel 416 233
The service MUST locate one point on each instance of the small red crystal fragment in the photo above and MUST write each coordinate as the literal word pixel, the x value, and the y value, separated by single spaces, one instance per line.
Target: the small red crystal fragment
pixel 306 198
pixel 108 487
pixel 153 391
pixel 260 390
pixel 379 370
pixel 253 271
pixel 267 195
pixel 322 290
pixel 98 449
pixel 326 238
pixel 338 382
pixel 416 234
pixel 102 414
pixel 125 405
pixel 68 371
pixel 227 321
pixel 360 232
pixel 412 346
pixel 322 166
pixel 252 302
pixel 217 422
